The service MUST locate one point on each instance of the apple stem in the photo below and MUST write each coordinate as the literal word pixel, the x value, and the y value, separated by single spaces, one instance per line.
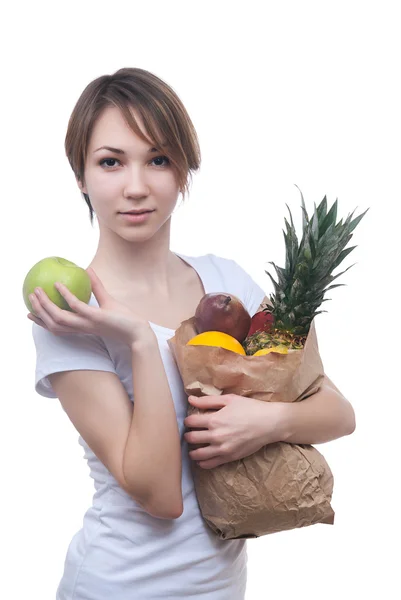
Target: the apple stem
pixel 227 300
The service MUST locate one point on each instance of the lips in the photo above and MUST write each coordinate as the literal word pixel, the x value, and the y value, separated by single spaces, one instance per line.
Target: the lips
pixel 136 212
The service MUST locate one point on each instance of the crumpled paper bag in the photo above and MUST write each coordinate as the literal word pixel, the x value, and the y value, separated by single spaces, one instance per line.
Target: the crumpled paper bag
pixel 282 486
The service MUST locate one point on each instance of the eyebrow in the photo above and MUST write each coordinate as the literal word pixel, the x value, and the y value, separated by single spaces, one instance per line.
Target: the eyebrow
pixel 119 151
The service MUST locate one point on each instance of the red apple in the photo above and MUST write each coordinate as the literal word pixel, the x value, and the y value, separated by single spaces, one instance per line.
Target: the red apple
pixel 261 321
pixel 223 312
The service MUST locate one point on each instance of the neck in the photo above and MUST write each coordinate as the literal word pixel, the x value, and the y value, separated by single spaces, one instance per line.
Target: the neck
pixel 146 266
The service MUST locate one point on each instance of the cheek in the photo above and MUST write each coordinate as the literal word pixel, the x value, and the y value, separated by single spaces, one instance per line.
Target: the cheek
pixel 102 190
pixel 106 187
pixel 168 189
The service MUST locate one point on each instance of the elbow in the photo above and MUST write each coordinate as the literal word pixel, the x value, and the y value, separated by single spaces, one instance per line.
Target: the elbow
pixel 159 509
pixel 176 514
pixel 350 420
pixel 167 505
pixel 352 427
pixel 163 510
pixel 166 512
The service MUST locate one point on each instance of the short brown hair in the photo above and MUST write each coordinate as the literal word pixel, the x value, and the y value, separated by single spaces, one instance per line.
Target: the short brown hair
pixel 164 116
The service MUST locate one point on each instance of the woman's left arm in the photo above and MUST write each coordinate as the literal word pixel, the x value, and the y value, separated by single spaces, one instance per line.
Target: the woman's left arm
pixel 234 427
pixel 323 417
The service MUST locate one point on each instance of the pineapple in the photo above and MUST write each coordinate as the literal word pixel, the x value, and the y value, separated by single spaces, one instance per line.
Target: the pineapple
pixel 306 278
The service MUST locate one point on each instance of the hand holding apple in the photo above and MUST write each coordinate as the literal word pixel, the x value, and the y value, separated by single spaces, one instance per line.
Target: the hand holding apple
pixel 46 272
pixel 111 318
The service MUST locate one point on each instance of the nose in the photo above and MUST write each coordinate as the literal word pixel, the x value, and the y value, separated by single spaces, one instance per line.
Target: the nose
pixel 136 184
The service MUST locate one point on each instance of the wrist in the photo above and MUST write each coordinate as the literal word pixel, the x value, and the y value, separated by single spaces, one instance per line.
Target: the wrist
pixel 144 338
pixel 284 420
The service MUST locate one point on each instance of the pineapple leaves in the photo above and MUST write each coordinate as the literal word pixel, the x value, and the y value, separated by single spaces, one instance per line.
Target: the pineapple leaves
pixel 305 218
pixel 329 219
pixel 312 247
pixel 291 244
pixel 342 272
pixel 355 222
pixel 322 210
pixel 342 255
pixel 315 224
pixel 309 263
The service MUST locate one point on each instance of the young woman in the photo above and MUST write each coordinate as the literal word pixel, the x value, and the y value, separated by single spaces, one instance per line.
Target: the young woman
pixel 133 147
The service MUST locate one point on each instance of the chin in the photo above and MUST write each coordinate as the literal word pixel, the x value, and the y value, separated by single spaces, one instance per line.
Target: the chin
pixel 137 234
pixel 133 236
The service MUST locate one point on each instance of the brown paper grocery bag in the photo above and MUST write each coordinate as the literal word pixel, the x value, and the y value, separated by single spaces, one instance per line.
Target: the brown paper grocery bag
pixel 280 487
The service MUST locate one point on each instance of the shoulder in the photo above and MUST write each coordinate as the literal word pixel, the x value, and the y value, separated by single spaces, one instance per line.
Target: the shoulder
pixel 219 262
pixel 231 277
pixel 68 352
pixel 228 267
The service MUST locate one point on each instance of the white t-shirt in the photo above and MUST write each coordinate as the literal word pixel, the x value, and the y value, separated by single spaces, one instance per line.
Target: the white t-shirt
pixel 121 552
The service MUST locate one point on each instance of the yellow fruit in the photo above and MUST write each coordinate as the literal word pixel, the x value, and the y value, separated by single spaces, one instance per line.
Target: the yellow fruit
pixel 217 338
pixel 279 349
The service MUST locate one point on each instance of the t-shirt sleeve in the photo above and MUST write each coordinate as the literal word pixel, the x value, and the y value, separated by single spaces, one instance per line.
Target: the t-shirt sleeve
pixel 68 352
pixel 238 281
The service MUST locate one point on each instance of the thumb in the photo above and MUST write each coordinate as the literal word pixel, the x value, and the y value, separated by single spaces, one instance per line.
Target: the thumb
pixel 98 288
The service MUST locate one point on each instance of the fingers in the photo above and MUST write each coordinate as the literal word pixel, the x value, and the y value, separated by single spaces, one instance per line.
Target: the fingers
pixel 73 302
pixel 97 287
pixel 211 464
pixel 205 453
pixel 36 320
pixel 199 437
pixel 39 316
pixel 197 420
pixel 211 456
pixel 53 317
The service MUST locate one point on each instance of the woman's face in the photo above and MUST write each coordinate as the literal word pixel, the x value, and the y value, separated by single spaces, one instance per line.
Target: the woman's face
pixel 132 178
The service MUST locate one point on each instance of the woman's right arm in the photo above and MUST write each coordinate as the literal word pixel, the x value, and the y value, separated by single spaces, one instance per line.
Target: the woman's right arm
pixel 139 444
pixel 153 451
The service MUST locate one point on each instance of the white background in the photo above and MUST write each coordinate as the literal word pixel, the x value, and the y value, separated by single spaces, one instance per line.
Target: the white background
pixel 281 93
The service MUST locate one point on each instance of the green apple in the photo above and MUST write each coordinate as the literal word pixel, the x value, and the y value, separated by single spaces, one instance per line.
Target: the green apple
pixel 46 272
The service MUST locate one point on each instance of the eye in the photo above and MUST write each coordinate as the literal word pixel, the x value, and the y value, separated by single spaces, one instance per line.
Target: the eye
pixel 161 158
pixel 108 160
pixel 109 163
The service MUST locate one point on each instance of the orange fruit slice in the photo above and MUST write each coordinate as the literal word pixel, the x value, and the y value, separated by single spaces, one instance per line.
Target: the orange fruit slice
pixel 217 338
pixel 278 349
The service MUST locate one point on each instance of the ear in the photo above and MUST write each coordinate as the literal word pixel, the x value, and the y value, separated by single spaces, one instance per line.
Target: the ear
pixel 81 186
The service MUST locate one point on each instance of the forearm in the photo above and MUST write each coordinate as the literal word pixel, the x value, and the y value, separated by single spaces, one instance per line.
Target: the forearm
pixel 323 417
pixel 153 451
